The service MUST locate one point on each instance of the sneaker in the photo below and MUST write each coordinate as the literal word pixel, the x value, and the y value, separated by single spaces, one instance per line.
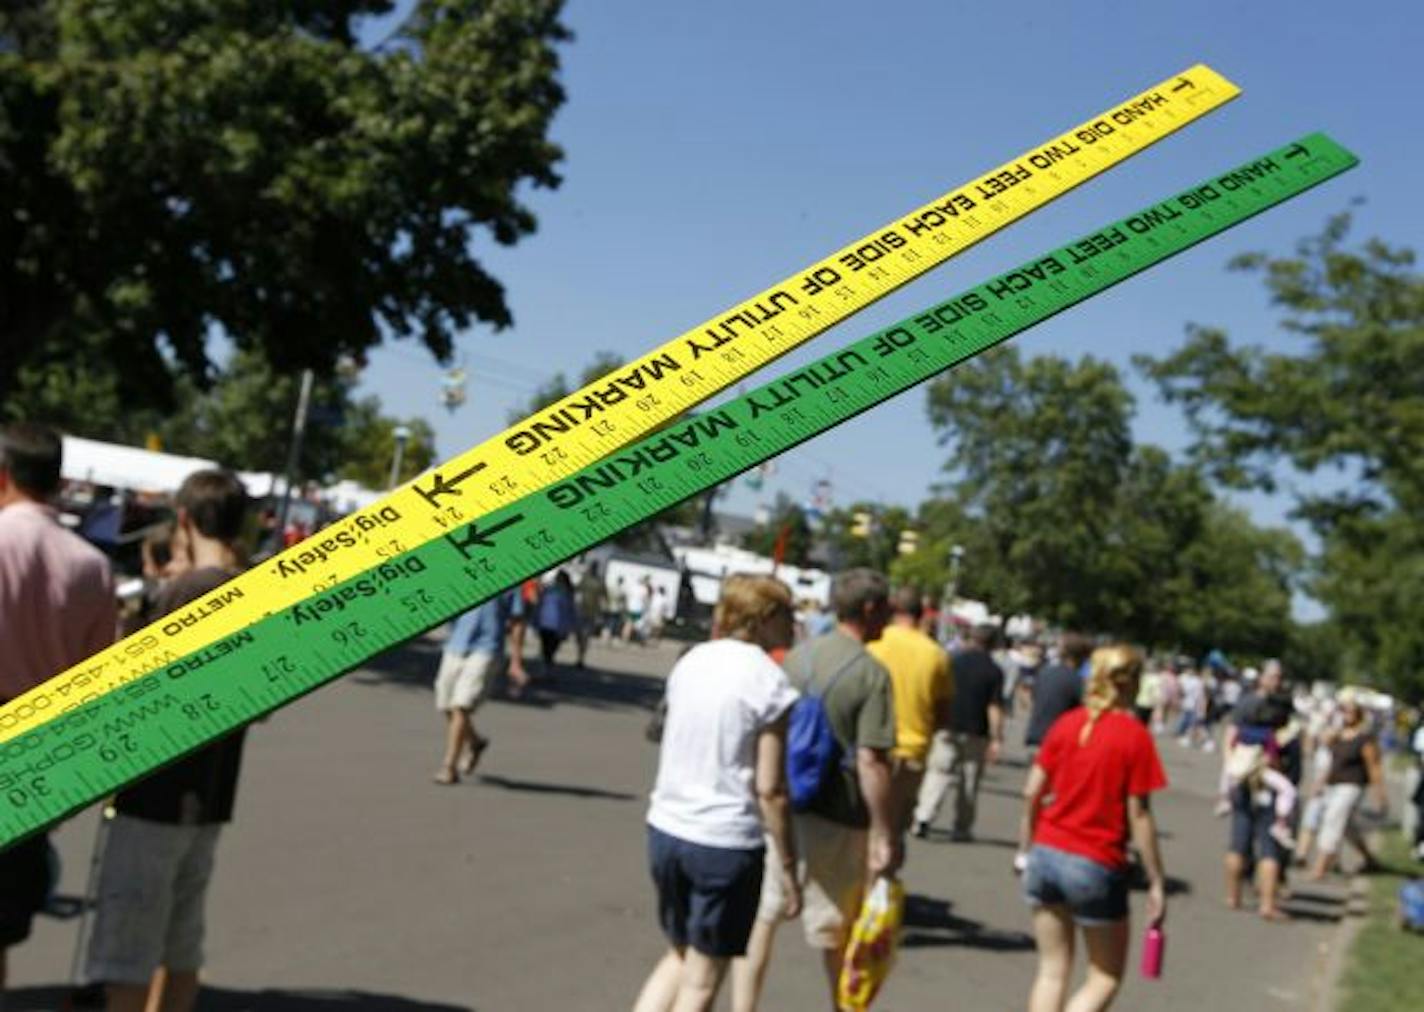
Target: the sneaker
pixel 920 830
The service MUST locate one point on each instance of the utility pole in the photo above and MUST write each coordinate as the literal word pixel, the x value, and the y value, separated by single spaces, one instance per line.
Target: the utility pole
pixel 294 450
pixel 707 519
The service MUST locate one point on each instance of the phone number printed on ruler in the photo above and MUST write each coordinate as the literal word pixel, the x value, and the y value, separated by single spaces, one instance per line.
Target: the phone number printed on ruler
pixel 91 750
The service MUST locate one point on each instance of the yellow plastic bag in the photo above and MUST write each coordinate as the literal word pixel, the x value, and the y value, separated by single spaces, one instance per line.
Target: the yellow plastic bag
pixel 873 940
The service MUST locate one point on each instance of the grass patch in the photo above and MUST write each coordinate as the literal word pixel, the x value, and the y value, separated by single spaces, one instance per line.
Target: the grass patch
pixel 1382 972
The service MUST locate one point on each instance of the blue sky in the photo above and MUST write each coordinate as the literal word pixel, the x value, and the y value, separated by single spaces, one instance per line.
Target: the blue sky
pixel 712 149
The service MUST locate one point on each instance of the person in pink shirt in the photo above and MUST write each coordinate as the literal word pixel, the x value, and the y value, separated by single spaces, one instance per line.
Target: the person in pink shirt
pixel 57 607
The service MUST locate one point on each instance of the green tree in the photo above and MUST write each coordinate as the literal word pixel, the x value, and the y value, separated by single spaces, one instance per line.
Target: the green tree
pixel 1061 515
pixel 1315 651
pixel 244 421
pixel 1345 400
pixel 788 517
pixel 846 550
pixel 369 445
pixel 1235 589
pixel 944 523
pixel 1038 449
pixel 169 168
pixel 78 392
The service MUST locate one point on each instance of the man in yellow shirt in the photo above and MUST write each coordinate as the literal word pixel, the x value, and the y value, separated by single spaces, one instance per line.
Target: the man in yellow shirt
pixel 922 686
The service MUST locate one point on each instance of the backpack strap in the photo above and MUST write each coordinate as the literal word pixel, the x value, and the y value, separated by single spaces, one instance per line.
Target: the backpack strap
pixel 847 750
pixel 809 686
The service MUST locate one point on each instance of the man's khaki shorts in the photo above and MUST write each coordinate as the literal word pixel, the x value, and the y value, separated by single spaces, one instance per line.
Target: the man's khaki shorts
pixel 463 682
pixel 832 874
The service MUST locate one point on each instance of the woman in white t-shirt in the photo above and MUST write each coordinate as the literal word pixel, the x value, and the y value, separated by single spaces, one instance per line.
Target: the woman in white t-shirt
pixel 721 788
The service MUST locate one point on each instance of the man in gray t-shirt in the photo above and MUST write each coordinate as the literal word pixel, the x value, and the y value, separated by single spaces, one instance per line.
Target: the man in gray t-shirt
pixel 848 835
pixel 860 708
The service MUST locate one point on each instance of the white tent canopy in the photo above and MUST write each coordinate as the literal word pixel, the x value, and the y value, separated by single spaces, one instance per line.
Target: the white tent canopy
pixel 140 470
pixel 344 497
pixel 127 467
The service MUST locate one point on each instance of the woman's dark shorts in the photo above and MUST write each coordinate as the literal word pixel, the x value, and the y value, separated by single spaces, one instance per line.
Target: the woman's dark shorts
pixel 1251 829
pixel 707 896
pixel 1092 892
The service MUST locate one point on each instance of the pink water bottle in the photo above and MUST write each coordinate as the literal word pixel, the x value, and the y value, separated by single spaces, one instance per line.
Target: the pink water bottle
pixel 1154 946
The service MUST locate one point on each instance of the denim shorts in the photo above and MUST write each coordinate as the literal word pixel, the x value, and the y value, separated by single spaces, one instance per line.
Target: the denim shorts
pixel 1092 892
pixel 707 896
pixel 1251 829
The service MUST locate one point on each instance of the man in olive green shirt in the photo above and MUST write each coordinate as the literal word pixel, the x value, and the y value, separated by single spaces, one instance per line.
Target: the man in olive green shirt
pixel 848 836
pixel 592 605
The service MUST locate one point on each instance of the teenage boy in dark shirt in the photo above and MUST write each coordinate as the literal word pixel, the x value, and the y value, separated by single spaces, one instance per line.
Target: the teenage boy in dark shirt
pixel 974 737
pixel 1058 688
pixel 155 871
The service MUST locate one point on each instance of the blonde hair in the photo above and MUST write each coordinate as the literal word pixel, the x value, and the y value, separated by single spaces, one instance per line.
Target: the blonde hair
pixel 749 606
pixel 1116 670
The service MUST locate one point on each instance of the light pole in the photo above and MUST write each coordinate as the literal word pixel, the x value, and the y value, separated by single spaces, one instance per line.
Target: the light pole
pixel 401 434
pixel 951 588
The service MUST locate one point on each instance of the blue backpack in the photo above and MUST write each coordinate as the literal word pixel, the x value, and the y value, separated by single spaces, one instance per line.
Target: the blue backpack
pixel 812 751
pixel 1411 905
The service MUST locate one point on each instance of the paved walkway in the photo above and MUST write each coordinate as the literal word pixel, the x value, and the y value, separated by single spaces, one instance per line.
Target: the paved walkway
pixel 352 883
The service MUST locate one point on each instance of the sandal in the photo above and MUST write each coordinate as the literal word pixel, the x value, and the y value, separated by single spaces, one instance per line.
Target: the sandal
pixel 446 778
pixel 473 759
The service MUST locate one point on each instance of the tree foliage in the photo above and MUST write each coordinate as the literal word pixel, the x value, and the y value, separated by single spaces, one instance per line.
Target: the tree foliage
pixel 944 523
pixel 1344 400
pixel 171 167
pixel 1037 451
pixel 243 421
pixel 370 444
pixel 1060 514
pixel 843 549
pixel 787 520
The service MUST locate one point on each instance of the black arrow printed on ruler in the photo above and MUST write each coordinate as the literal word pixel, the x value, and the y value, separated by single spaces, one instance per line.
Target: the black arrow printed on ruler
pixel 440 485
pixel 64 764
pixel 1183 82
pixel 471 535
pixel 1296 150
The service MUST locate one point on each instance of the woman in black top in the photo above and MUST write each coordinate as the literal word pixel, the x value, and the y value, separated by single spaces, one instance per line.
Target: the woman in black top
pixel 1354 764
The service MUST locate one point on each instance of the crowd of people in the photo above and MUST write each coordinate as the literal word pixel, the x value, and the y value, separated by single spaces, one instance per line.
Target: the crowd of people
pixel 749 825
pixel 800 746
pixel 913 721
